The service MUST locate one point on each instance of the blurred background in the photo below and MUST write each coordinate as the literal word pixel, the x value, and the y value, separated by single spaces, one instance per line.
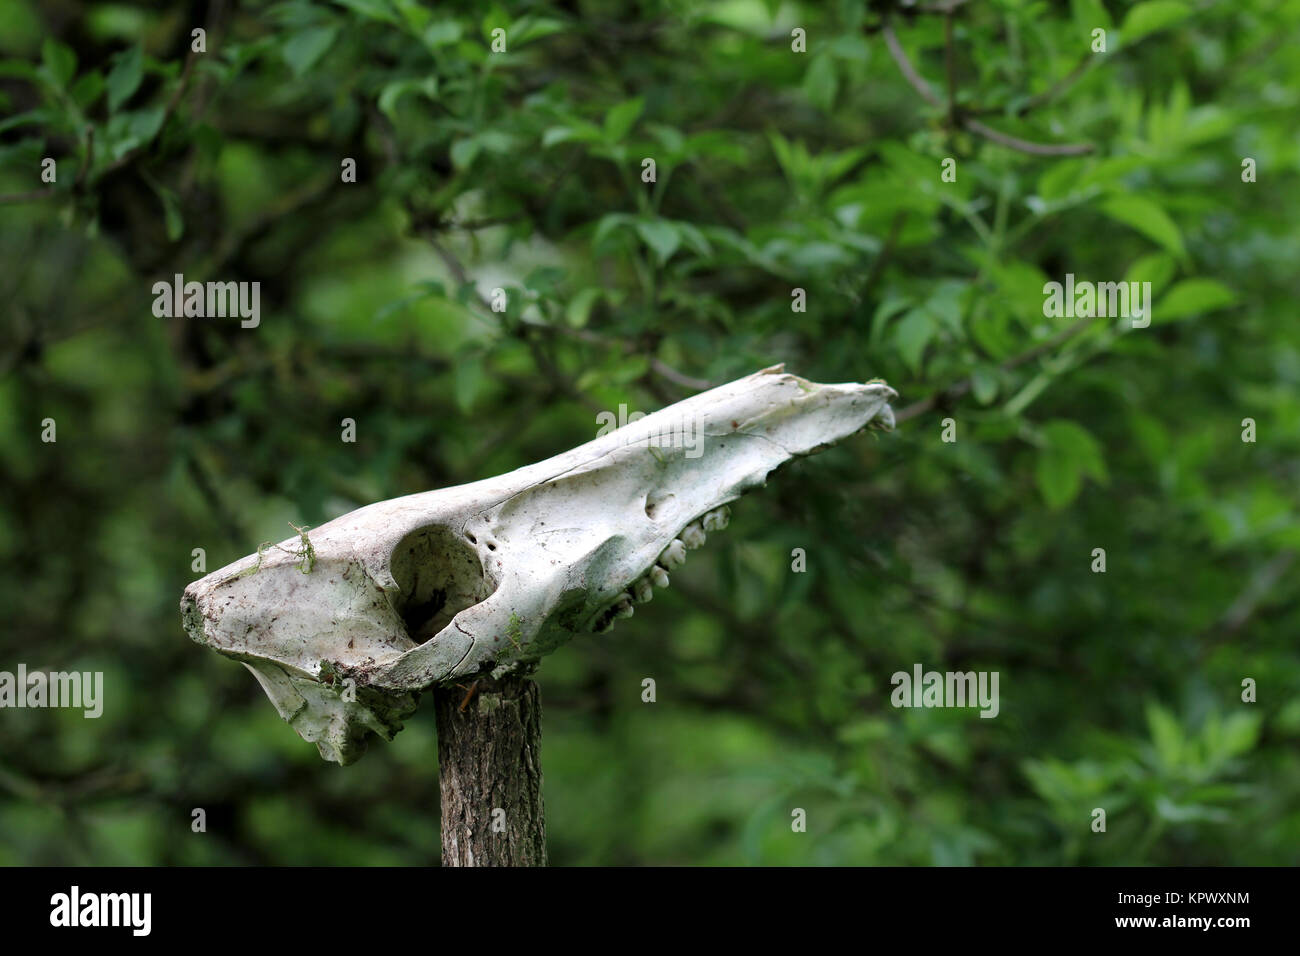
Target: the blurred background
pixel 795 146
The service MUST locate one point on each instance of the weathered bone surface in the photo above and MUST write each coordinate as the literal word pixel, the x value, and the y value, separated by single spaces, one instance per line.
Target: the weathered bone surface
pixel 398 596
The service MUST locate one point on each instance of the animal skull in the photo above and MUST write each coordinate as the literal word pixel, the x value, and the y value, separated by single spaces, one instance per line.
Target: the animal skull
pixel 345 625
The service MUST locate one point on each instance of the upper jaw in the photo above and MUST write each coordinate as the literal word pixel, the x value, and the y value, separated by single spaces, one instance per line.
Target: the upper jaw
pixel 608 513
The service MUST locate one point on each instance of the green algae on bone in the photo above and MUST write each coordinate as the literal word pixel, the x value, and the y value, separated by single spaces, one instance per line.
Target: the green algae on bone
pixel 515 631
pixel 307 554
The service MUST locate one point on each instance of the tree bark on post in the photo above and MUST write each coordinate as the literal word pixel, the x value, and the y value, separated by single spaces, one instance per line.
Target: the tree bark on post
pixel 490 773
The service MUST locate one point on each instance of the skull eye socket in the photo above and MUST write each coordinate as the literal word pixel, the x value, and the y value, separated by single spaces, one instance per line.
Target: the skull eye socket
pixel 439 576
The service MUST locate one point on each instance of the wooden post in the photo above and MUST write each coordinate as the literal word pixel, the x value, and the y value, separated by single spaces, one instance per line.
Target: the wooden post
pixel 490 773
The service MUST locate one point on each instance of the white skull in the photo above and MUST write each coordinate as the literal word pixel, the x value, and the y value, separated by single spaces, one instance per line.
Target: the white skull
pixel 345 624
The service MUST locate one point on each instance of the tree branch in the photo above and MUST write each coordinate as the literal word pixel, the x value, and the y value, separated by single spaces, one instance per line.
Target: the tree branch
pixel 958 389
pixel 1060 86
pixel 923 88
pixel 1024 145
pixel 905 67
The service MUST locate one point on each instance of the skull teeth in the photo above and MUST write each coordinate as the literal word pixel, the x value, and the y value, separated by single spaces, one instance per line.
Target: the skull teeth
pixel 717 519
pixel 621 608
pixel 693 536
pixel 674 555
pixel 643 590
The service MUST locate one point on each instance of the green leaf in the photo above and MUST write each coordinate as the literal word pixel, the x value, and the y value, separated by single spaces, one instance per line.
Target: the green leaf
pixel 1058 477
pixel 1060 179
pixel 428 289
pixel 1192 297
pixel 441 33
pixel 529 28
pixel 820 83
pixel 1110 171
pixel 497 141
pixel 545 279
pixel 125 77
pixel 581 132
pixel 1147 218
pixel 946 302
pixel 59 60
pixel 1090 14
pixel 307 46
pixel 1166 809
pixel 1075 440
pixel 1157 268
pixel 87 89
pixel 372 10
pixel 620 119
pixel 145 124
pixel 578 311
pixel 415 15
pixel 608 223
pixel 1166 734
pixel 495 19
pixel 556 134
pixel 394 91
pixel 629 370
pixel 1236 735
pixel 469 381
pixel 19 69
pixel 36 117
pixel 464 151
pixel 1068 453
pixel 1147 18
pixel 912 334
pixel 695 240
pixel 984 384
pixel 127 131
pixel 890 306
pixel 660 236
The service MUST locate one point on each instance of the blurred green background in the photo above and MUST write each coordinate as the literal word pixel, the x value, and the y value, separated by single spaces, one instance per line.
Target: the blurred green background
pixel 775 170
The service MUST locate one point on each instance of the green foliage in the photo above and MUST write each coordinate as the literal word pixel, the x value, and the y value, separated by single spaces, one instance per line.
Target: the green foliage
pixel 774 171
